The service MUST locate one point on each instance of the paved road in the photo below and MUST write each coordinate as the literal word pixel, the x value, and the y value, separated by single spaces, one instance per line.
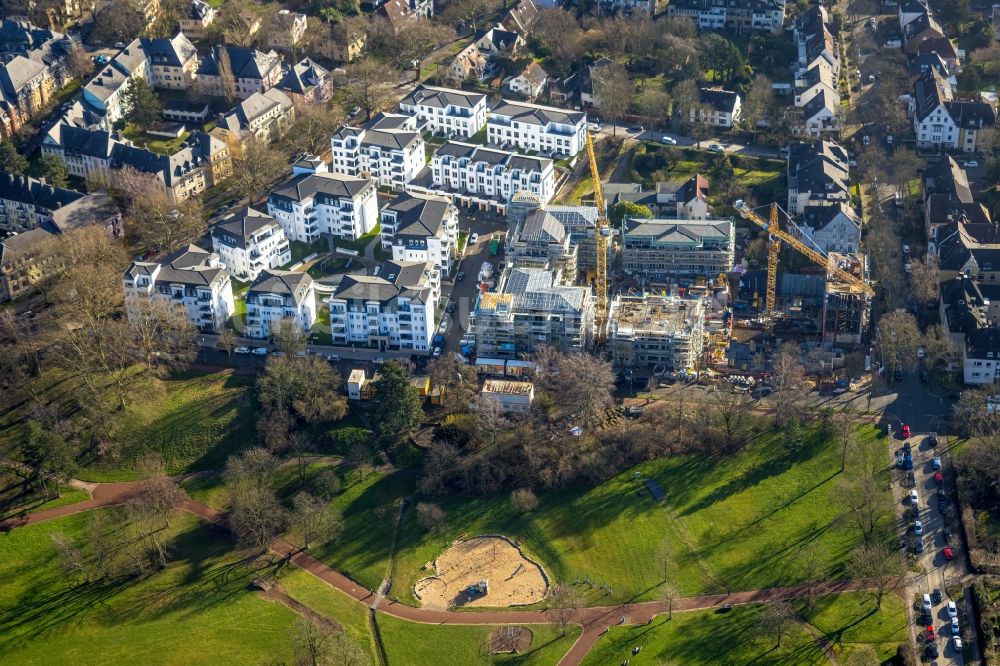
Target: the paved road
pixel 683 141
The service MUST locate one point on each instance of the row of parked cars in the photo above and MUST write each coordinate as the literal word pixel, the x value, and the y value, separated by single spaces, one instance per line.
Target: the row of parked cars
pixel 927 607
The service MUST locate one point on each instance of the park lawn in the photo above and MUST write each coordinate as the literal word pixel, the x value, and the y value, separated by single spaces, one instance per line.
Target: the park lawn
pixel 331 603
pixel 368 508
pixel 705 637
pixel 851 619
pixel 17 506
pixel 195 610
pixel 413 644
pixel 734 521
pixel 211 490
pixel 194 421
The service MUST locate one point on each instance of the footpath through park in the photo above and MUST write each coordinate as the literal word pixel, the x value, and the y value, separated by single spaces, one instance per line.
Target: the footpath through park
pixel 595 620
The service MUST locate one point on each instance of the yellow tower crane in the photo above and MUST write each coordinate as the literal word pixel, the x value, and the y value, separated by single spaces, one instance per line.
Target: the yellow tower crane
pixel 855 283
pixel 773 250
pixel 602 234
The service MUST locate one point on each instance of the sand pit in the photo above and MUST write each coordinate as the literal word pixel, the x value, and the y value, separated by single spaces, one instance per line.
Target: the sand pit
pixel 513 579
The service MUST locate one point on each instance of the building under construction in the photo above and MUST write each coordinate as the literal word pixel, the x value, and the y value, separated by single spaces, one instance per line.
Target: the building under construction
pixel 651 330
pixel 846 310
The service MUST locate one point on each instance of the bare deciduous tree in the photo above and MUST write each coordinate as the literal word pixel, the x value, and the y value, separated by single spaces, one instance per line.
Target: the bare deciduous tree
pixel 523 500
pixel 313 519
pixel 774 619
pixel 431 517
pixel 878 565
pixel 368 85
pixel 564 606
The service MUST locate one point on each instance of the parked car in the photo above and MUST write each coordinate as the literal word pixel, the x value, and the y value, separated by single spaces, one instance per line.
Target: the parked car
pixel 924 377
pixel 946 536
pixel 918 528
pixel 669 140
pixel 907 447
pixel 952 609
pixel 957 642
pixel 460 276
pixel 918 547
pixel 906 431
pixel 259 351
pixel 931 651
pixel 898 375
pixel 635 129
pixel 936 462
pixel 378 360
pixel 436 352
pixel 947 553
pixel 911 480
pixel 242 350
pixel 332 358
pixel 955 629
pixel 451 306
pixel 936 596
pixel 914 497
pixel 925 603
pixel 715 148
pixel 899 458
pixel 907 461
pixel 930 632
pixel 932 438
pixel 971 164
pixel 355 110
pixel 119 45
pixel 473 239
pixel 938 478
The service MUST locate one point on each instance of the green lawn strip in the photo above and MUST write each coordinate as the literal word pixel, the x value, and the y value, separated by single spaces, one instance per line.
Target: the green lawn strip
pixel 19 507
pixel 852 619
pixel 413 644
pixel 705 637
pixel 211 490
pixel 195 423
pixel 198 606
pixel 331 603
pixel 737 520
pixel 369 509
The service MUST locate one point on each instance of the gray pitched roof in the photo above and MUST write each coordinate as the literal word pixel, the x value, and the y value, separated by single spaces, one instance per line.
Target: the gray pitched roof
pixel 679 231
pixel 17 73
pixel 237 229
pixel 174 52
pixel 286 283
pixel 535 114
pixel 723 101
pixel 27 190
pixel 303 76
pixel 442 98
pixel 332 185
pixel 419 215
pixel 542 226
pixel 534 289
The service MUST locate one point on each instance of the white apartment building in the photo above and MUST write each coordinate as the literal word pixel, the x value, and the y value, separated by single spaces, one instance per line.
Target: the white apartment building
pixel 421 228
pixel 717 107
pixel 277 295
pixel 393 310
pixel 490 175
pixel 544 129
pixel 388 149
pixel 191 278
pixel 832 228
pixel 249 242
pixel 312 205
pixel 446 112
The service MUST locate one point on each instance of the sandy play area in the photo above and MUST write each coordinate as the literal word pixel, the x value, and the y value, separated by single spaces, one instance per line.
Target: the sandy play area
pixel 512 579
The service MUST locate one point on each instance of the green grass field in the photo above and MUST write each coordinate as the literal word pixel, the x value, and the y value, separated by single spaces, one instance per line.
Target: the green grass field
pixel 736 521
pixel 704 637
pixel 16 505
pixel 196 610
pixel 409 644
pixel 196 422
pixel 851 619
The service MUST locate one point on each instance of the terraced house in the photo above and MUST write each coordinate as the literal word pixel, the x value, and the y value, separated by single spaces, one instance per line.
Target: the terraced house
pixel 542 129
pixel 487 177
pixel 446 112
pixel 316 204
pixel 26 88
pixel 191 278
pixel 388 149
pixel 739 16
pixel 237 72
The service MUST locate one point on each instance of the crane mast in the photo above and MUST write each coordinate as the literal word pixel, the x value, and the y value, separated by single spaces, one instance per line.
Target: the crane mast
pixel 602 232
pixel 773 250
pixel 819 258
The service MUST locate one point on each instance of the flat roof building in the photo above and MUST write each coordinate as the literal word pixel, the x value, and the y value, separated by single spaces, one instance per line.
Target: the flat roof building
pixel 651 330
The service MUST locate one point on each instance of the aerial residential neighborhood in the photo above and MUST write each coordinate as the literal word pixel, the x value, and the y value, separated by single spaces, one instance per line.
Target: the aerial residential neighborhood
pixel 536 332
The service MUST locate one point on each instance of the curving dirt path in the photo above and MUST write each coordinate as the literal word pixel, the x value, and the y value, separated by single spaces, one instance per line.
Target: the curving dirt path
pixel 594 620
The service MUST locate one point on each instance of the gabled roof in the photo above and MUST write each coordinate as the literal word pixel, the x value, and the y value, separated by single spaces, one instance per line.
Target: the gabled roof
pixel 962 301
pixel 492 156
pixel 983 343
pixel 242 116
pixel 200 10
pixel 499 39
pixel 536 114
pixel 521 17
pixel 29 191
pixel 921 62
pixel 245 63
pixel 695 187
pixel 723 101
pixel 540 226
pixel 238 229
pixel 285 283
pixel 534 74
pixel 687 232
pixel 174 52
pixel 419 215
pixel 947 177
pixel 331 185
pixel 823 100
pixel 818 217
pixel 970 114
pixel 924 23
pixel 190 266
pixel 407 279
pixel 17 74
pixel 442 98
pixel 396 11
pixel 22 36
pixel 534 289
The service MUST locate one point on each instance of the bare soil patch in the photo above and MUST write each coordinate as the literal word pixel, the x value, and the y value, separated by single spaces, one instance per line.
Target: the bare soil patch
pixel 511 578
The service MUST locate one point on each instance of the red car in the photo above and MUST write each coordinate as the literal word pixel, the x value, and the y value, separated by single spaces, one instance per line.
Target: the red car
pixel 947 553
pixel 930 633
pixel 938 478
pixel 906 431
